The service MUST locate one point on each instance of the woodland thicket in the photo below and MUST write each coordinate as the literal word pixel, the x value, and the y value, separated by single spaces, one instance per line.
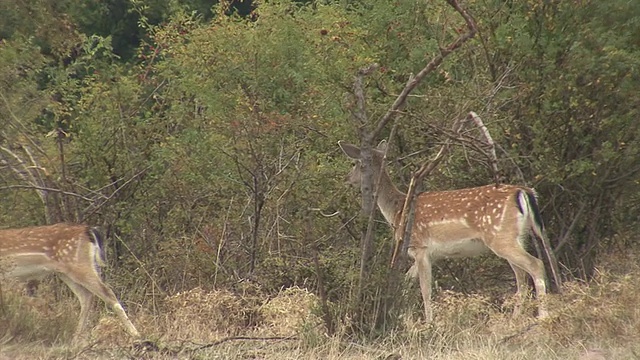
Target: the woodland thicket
pixel 203 140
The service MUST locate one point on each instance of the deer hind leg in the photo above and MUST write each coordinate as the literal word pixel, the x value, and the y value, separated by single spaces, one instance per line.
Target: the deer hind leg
pixel 86 301
pixel 521 288
pixel 91 281
pixel 518 257
pixel 422 267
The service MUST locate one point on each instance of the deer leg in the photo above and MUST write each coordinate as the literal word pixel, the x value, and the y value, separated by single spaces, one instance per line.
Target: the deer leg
pixel 521 288
pixel 535 268
pixel 85 297
pixel 423 268
pixel 91 281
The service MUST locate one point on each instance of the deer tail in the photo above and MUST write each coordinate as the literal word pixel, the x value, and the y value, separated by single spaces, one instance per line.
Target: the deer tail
pixel 96 240
pixel 528 206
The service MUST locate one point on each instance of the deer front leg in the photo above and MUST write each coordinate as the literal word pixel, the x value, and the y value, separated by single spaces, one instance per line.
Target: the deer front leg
pixel 422 267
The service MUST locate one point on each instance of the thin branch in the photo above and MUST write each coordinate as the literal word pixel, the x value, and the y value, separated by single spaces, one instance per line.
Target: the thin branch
pixel 42 188
pixel 141 265
pixel 35 164
pixel 21 125
pixel 23 175
pixel 574 222
pixel 403 230
pixel 399 103
pixel 492 146
pixel 106 199
pixel 520 332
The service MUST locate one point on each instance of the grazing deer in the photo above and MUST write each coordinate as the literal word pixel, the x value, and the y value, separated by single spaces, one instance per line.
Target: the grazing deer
pixel 462 223
pixel 71 251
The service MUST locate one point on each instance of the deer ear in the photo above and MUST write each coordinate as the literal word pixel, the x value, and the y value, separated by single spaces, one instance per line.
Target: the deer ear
pixel 382 146
pixel 350 150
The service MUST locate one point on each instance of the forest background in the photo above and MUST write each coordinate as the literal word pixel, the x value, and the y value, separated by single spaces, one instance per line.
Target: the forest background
pixel 203 139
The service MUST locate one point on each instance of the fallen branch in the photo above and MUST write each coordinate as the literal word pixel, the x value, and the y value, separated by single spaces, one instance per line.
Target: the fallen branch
pixel 520 332
pixel 236 338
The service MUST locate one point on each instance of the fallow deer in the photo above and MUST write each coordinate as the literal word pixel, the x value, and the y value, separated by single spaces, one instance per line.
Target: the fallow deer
pixel 462 223
pixel 73 252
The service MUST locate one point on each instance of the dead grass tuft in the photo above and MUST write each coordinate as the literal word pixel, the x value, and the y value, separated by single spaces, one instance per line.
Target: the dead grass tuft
pixel 285 314
pixel 205 315
pixel 603 310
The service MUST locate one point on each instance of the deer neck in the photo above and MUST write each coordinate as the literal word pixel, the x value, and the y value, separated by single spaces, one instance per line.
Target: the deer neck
pixel 390 199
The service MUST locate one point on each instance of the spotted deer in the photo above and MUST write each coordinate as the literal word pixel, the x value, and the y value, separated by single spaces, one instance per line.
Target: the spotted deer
pixel 73 252
pixel 462 223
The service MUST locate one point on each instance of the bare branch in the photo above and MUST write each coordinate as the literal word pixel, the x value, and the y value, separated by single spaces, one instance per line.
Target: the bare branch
pixel 35 165
pixel 567 234
pixel 142 266
pixel 399 103
pixel 42 188
pixel 360 113
pixel 492 146
pixel 21 128
pixel 403 231
pixel 24 173
pixel 106 199
pixel 151 94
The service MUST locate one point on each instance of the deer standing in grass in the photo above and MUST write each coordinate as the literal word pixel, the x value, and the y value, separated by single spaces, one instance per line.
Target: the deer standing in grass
pixel 462 223
pixel 71 251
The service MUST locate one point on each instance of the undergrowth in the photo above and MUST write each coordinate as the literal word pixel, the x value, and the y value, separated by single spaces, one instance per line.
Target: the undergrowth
pixel 594 321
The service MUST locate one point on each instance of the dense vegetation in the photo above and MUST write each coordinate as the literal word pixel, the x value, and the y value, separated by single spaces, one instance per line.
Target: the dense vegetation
pixel 203 140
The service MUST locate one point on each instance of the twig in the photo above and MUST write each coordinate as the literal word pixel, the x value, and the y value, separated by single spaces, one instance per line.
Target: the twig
pixel 235 338
pixel 403 230
pixel 26 176
pixel 399 103
pixel 565 237
pixel 141 264
pixel 42 188
pixel 24 128
pixel 85 349
pixel 326 313
pixel 106 199
pixel 492 146
pixel 519 333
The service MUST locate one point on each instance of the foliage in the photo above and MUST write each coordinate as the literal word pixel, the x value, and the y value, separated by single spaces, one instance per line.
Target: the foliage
pixel 204 142
pixel 578 116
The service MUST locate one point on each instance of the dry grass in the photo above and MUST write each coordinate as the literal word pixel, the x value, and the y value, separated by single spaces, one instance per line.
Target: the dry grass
pixel 595 321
